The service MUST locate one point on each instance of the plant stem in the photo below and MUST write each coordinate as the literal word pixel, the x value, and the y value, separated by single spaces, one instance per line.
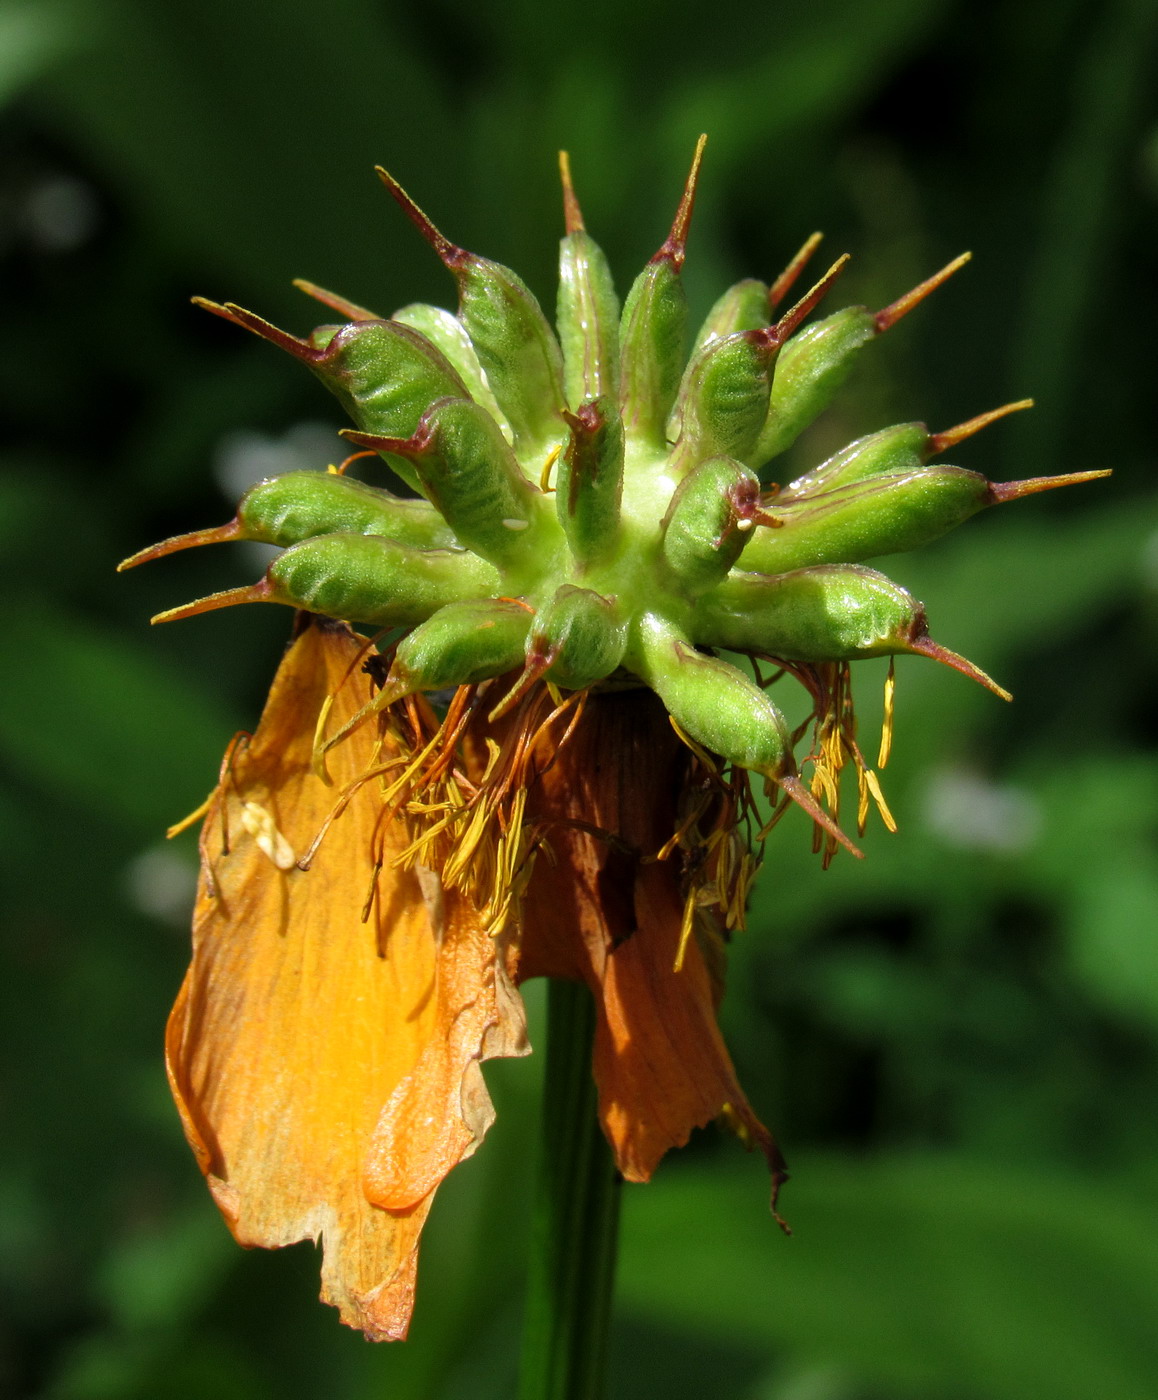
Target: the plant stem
pixel 573 1243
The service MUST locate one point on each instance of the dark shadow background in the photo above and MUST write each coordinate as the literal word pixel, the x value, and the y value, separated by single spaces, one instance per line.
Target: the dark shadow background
pixel 957 1040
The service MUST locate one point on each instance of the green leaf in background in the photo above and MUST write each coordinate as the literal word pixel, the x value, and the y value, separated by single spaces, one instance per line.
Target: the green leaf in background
pixel 917 1276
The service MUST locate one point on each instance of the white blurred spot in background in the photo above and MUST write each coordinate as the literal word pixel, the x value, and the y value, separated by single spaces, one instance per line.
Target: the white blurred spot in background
pixel 162 883
pixel 243 458
pixel 60 213
pixel 965 809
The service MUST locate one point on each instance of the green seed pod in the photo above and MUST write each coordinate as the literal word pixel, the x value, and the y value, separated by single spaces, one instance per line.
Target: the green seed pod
pixel 709 521
pixel 470 474
pixel 654 327
pixel 448 335
pixel 514 343
pixel 360 578
pixel 589 483
pixel 577 639
pixel 902 448
pixel 587 315
pixel 723 399
pixel 883 515
pixel 897 449
pixel 812 367
pixel 815 364
pixel 460 644
pixel 713 702
pixel 299 505
pixel 831 613
pixel 384 374
pixel 743 307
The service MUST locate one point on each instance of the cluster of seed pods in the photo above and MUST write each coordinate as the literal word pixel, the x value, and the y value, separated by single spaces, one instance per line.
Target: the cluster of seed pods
pixel 589 503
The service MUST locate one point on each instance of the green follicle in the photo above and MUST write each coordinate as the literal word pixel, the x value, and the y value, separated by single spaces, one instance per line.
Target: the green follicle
pixel 360 578
pixel 709 522
pixel 514 343
pixel 460 644
pixel 743 307
pixel 653 329
pixel 448 335
pixel 720 709
pixel 383 373
pixel 905 447
pixel 588 309
pixel 814 364
pixel 466 468
pixel 300 505
pixel 578 638
pixel 883 515
pixel 828 613
pixel 589 483
pixel 724 397
pixel 887 514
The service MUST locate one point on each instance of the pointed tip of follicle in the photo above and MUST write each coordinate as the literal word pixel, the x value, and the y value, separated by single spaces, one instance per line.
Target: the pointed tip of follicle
pixel 926 646
pixel 230 311
pixel 539 662
pixel 889 315
pixel 791 785
pixel 1001 491
pixel 674 247
pixel 788 323
pixel 350 309
pixel 787 279
pixel 942 442
pixel 377 442
pixel 572 214
pixel 260 592
pixel 450 253
pixel 218 534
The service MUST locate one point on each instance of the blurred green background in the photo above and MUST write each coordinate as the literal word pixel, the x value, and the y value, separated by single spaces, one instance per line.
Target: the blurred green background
pixel 957 1040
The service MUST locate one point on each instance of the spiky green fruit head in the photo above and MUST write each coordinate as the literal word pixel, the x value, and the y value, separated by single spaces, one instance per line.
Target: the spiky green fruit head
pixel 589 501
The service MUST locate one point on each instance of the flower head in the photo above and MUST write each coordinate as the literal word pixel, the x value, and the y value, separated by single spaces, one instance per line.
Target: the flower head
pixel 488 788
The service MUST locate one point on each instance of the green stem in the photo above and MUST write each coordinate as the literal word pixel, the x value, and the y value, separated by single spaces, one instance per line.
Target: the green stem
pixel 573 1243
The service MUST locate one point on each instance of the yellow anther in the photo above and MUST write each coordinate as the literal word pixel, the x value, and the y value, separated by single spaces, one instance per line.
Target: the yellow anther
pixel 886 747
pixel 545 478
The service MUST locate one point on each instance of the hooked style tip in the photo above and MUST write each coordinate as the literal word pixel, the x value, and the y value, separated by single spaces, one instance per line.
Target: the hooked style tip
pixel 450 253
pixel 788 323
pixel 784 283
pixel 1000 491
pixel 351 310
pixel 217 535
pixel 891 314
pixel 926 646
pixel 260 592
pixel 796 790
pixel 572 214
pixel 942 442
pixel 300 349
pixel 674 247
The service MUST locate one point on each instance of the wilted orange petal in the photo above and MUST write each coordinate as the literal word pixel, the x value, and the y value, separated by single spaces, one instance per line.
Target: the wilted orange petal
pixel 298 1021
pixel 600 913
